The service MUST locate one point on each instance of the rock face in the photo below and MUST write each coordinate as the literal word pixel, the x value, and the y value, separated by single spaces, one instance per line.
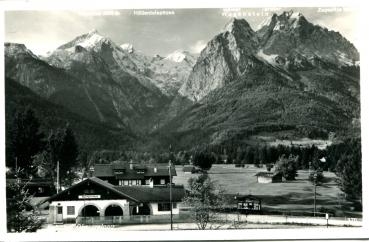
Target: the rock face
pixel 171 72
pixel 285 41
pixel 288 78
pixel 290 34
pixel 225 57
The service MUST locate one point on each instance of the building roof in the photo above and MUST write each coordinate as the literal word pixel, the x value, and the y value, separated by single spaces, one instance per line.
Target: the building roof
pixel 245 197
pixel 267 174
pixel 95 180
pixel 153 194
pixel 139 171
pixel 133 193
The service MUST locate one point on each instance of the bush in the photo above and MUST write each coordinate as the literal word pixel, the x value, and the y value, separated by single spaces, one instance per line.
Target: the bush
pixel 287 167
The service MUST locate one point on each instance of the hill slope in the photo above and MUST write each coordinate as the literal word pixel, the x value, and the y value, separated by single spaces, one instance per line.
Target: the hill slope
pixel 90 135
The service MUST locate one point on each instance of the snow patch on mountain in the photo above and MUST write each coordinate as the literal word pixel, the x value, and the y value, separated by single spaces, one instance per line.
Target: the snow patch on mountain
pixel 127 47
pixel 176 56
pixel 271 59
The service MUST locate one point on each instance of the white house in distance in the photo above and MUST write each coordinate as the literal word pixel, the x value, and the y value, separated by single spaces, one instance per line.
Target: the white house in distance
pixel 95 198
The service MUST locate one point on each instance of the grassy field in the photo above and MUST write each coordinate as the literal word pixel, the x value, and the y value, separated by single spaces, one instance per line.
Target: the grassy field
pixel 288 196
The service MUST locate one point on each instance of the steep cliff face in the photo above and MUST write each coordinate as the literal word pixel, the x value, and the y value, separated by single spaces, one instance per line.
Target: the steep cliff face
pixel 225 57
pixel 282 79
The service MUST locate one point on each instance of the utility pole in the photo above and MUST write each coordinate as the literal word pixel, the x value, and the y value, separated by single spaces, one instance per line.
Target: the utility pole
pixel 57 177
pixel 170 195
pixel 315 177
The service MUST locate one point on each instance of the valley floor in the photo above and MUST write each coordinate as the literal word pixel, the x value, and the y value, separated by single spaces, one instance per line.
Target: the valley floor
pixel 287 197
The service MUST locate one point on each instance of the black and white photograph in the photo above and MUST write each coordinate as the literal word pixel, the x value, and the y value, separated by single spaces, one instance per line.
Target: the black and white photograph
pixel 184 119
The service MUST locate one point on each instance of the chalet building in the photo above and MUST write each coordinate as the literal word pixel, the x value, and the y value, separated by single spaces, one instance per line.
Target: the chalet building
pixel 248 204
pixel 131 174
pixel 268 177
pixel 96 198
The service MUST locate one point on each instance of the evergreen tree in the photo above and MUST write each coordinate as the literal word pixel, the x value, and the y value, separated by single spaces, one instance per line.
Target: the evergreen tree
pixel 17 204
pixel 24 140
pixel 349 170
pixel 61 147
pixel 203 160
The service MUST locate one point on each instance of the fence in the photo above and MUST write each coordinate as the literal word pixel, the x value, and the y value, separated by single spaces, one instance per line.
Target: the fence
pixel 134 219
pixel 280 219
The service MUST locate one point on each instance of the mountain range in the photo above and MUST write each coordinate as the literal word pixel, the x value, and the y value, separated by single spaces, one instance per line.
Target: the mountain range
pixel 289 79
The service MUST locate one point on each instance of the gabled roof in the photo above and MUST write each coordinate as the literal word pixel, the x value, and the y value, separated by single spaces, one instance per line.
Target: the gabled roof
pixel 94 180
pixel 153 194
pixel 107 170
pixel 103 170
pixel 133 193
pixel 267 174
pixel 244 197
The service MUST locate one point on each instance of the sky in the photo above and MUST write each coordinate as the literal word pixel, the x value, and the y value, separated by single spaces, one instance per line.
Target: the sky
pixel 161 32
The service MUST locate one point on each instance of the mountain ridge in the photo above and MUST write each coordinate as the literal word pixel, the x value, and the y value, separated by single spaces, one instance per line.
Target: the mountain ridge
pixel 280 80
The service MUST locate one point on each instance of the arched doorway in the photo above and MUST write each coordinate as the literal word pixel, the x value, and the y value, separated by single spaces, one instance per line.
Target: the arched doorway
pixel 143 209
pixel 113 210
pixel 90 211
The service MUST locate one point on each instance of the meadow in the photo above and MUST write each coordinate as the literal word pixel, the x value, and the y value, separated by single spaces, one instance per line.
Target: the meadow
pixel 289 197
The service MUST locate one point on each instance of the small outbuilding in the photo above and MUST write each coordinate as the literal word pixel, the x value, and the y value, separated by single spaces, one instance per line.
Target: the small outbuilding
pixel 248 204
pixel 268 177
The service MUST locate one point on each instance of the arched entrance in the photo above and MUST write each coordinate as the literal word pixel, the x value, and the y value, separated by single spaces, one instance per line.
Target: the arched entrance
pixel 90 211
pixel 143 209
pixel 113 210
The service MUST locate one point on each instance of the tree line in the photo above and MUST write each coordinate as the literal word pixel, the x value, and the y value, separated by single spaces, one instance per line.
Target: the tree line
pixel 36 153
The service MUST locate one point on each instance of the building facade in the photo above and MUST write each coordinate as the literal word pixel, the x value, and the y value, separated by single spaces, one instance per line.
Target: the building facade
pixel 248 204
pixel 134 174
pixel 94 197
pixel 268 177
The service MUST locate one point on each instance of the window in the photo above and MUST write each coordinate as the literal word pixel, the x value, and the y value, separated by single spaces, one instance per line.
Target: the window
pixel 162 181
pixel 89 191
pixel 174 205
pixel 125 182
pixel 60 210
pixel 70 210
pixel 147 182
pixel 164 207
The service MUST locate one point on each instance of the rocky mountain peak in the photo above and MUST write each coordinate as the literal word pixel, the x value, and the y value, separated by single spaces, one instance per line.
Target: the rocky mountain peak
pixel 291 32
pixel 235 25
pixel 90 40
pixel 13 49
pixel 284 22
